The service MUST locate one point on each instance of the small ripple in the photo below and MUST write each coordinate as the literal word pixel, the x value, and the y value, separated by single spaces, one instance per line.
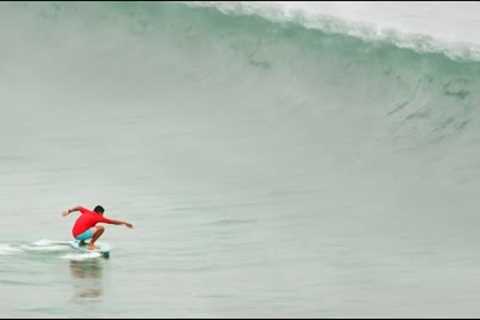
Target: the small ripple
pixel 15 282
pixel 223 222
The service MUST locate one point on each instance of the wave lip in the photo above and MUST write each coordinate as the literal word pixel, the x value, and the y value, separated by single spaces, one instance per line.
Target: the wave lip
pixel 367 31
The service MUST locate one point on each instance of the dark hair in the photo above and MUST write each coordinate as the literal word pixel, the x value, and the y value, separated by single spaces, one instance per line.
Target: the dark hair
pixel 99 209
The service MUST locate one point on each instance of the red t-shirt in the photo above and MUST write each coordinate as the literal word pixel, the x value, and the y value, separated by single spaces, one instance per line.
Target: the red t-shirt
pixel 87 220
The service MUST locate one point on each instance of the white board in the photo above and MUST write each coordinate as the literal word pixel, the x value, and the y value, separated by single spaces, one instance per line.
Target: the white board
pixel 102 248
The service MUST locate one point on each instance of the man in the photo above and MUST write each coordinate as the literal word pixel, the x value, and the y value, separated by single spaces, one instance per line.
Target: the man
pixel 85 227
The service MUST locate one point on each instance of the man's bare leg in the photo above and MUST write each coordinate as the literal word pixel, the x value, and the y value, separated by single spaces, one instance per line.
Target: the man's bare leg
pixel 98 232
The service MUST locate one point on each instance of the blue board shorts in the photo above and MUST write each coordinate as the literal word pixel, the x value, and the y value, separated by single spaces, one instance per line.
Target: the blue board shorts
pixel 85 236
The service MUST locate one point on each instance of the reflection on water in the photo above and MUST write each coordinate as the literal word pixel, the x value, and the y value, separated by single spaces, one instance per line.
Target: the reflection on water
pixel 87 278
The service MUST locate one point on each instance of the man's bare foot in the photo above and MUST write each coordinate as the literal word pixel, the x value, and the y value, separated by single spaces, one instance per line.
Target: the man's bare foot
pixel 91 246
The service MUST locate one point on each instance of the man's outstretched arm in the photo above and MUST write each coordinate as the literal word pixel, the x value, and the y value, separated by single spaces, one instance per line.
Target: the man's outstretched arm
pixel 118 222
pixel 68 211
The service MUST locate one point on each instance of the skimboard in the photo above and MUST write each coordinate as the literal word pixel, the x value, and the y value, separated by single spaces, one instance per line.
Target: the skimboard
pixel 102 248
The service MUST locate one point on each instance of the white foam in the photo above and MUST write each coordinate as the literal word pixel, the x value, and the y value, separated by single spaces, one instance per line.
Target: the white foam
pixel 7 249
pixel 46 242
pixel 81 256
pixel 44 248
pixel 46 245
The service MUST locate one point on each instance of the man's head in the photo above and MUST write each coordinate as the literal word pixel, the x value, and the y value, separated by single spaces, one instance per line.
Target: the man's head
pixel 99 209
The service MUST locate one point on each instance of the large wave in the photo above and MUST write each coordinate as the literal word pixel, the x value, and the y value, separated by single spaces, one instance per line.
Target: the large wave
pixel 237 91
pixel 303 160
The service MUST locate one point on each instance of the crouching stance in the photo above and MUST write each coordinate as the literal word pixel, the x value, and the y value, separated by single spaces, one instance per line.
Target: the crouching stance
pixel 85 226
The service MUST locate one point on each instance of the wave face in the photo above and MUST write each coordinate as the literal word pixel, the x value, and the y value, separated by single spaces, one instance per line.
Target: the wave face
pixel 322 150
pixel 279 79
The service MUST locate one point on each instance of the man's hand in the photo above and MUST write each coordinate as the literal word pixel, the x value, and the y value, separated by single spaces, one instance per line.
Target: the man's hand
pixel 128 225
pixel 68 211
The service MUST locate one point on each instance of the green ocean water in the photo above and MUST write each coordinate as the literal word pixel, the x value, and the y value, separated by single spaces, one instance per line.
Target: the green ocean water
pixel 270 170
